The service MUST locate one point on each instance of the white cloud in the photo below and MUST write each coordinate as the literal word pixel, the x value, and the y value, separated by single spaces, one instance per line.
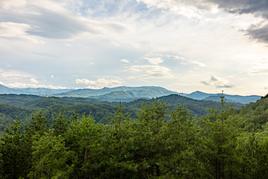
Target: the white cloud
pixel 124 61
pixel 11 29
pixel 151 71
pixel 8 4
pixel 188 8
pixel 19 79
pixel 14 78
pixel 217 82
pixel 51 19
pixel 259 68
pixel 99 83
pixel 154 60
pixel 15 31
pixel 260 71
pixel 198 63
pixel 208 40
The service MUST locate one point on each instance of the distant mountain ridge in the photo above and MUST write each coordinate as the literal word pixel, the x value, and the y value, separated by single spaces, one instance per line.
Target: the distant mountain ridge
pixel 122 93
pixel 125 94
pixel 115 94
pixel 4 89
pixel 198 95
pixel 31 91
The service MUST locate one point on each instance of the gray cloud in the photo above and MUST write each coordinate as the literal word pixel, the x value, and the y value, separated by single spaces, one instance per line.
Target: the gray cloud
pixel 258 8
pixel 46 23
pixel 225 86
pixel 259 33
pixel 55 25
pixel 255 7
pixel 217 82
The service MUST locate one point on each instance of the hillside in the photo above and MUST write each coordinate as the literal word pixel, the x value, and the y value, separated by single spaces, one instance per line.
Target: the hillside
pixel 118 96
pixel 254 115
pixel 196 107
pixel 10 113
pixel 54 105
pixel 184 145
pixel 21 106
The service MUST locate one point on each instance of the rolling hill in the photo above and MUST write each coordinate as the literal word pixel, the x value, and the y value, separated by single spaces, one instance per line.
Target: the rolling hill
pixel 22 106
pixel 196 107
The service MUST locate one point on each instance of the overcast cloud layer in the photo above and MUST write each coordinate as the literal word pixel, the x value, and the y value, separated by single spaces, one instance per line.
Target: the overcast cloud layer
pixel 183 45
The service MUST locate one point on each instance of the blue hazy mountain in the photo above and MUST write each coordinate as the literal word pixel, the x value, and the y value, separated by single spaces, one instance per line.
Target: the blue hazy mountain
pixel 31 91
pixel 115 94
pixel 5 90
pixel 198 95
pixel 122 93
pixel 235 98
pixel 125 94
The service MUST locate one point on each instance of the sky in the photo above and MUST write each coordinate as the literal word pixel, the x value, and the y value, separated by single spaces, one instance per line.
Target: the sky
pixel 182 45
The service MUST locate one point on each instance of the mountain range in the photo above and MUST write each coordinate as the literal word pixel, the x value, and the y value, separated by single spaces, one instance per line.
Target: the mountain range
pixel 126 94
pixel 31 91
pixel 198 95
pixel 119 94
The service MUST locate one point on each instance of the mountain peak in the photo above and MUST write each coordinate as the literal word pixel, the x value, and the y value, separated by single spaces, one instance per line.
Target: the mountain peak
pixel 198 92
pixel 3 86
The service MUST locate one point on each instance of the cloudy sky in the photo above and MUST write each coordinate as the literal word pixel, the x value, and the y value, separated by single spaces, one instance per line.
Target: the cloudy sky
pixel 183 45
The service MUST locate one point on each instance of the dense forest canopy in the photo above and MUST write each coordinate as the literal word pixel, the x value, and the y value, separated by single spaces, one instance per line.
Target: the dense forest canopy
pixel 156 143
pixel 21 107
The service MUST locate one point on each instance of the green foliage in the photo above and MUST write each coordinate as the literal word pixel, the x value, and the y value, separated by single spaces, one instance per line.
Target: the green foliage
pixel 38 124
pixel 60 124
pixel 155 144
pixel 13 152
pixel 51 159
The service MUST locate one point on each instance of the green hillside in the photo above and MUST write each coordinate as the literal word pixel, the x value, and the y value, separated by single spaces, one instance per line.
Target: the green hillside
pixel 100 110
pixel 161 141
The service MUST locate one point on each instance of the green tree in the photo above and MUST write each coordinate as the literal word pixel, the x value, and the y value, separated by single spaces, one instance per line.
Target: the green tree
pixel 82 137
pixel 15 159
pixel 38 124
pixel 182 157
pixel 60 124
pixel 51 159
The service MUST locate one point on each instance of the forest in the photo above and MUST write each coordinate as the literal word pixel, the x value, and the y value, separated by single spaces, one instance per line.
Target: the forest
pixel 156 143
pixel 22 106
